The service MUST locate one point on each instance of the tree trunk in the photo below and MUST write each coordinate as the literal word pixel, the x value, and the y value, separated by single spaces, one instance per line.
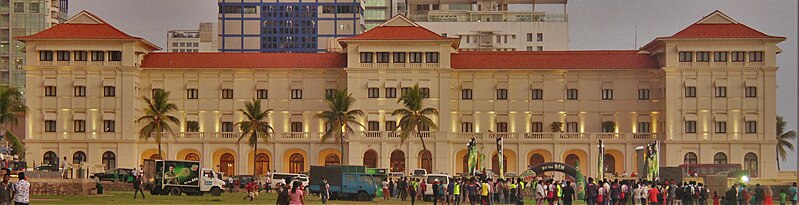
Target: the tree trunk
pixel 254 155
pixel 419 133
pixel 341 145
pixel 778 158
pixel 158 140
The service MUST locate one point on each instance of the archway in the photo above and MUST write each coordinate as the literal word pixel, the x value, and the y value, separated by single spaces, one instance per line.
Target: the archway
pixel 78 157
pixel 188 154
pixel 332 159
pixel 261 164
pixel 151 154
pixel 538 156
pixel 690 158
pixel 426 160
pixel 750 163
pixel 192 157
pixel 571 157
pixel 610 164
pixel 50 158
pixel 227 164
pixel 461 161
pixel 296 163
pixel 614 161
pixel 509 162
pixel 720 158
pixel 536 159
pixel 329 157
pixel 370 159
pixel 109 160
pixel 397 161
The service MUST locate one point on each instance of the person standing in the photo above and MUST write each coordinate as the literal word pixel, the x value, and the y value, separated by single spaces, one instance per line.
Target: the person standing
pixel 456 191
pixel 22 190
pixel 385 189
pixel 392 188
pixel 540 192
pixel 63 167
pixel 568 194
pixel 325 190
pixel 484 189
pixel 732 195
pixel 403 188
pixel 653 195
pixel 473 191
pixel 297 197
pixel 451 192
pixel 590 192
pixel 793 193
pixel 637 195
pixel 759 194
pixel 283 197
pixel 137 187
pixel 783 197
pixel 7 192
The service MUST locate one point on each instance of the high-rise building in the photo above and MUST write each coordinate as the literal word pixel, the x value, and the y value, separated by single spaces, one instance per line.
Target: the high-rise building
pixel 278 26
pixel 494 25
pixel 21 18
pixel 377 12
pixel 201 40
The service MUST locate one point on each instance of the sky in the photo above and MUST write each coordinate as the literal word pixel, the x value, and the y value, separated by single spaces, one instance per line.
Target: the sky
pixel 593 24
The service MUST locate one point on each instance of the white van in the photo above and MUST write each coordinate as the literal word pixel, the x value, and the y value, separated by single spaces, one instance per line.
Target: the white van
pixel 278 177
pixel 444 179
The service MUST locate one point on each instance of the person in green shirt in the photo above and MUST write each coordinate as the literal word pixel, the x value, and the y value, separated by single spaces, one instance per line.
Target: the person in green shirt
pixel 783 197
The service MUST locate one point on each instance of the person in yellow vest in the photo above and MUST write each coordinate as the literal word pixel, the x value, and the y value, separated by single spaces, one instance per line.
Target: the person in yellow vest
pixel 559 194
pixel 521 189
pixel 484 188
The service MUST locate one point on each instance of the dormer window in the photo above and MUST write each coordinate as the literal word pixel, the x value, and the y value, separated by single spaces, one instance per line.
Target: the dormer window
pixel 431 57
pixel 366 57
pixel 416 57
pixel 399 57
pixel 382 57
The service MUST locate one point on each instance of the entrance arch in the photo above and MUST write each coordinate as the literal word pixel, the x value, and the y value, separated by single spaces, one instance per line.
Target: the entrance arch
pixel 550 167
pixel 228 165
pixel 263 161
pixel 370 159
pixel 614 161
pixel 461 161
pixel 426 160
pixel 151 154
pixel 295 161
pixel 50 158
pixel 538 156
pixel 188 154
pixel 397 161
pixel 509 162
pixel 571 157
pixel 329 157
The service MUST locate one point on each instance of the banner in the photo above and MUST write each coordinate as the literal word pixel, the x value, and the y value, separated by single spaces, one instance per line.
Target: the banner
pixel 500 157
pixel 653 161
pixel 601 160
pixel 471 149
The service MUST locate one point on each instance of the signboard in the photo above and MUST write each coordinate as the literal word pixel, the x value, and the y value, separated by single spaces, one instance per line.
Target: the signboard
pixel 181 173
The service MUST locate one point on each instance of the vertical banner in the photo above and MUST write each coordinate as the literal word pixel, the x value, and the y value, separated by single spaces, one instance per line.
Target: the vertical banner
pixel 601 160
pixel 471 153
pixel 653 160
pixel 500 157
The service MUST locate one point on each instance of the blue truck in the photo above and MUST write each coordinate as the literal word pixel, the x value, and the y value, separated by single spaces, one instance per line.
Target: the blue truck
pixel 346 182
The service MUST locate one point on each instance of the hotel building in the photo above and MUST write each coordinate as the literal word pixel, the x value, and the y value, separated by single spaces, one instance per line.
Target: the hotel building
pixel 706 92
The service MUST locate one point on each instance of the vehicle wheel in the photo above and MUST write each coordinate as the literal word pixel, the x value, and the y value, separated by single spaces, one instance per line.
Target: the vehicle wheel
pixel 362 196
pixel 174 191
pixel 216 191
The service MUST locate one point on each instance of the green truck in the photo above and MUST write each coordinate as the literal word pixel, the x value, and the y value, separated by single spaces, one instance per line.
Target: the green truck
pixel 175 177
pixel 346 182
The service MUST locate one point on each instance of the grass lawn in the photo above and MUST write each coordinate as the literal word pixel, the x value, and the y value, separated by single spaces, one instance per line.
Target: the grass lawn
pixel 226 198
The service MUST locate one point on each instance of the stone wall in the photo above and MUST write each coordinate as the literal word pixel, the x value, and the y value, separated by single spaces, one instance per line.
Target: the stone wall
pixel 62 186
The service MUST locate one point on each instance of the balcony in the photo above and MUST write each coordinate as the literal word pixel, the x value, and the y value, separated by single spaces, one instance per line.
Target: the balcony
pixel 487 16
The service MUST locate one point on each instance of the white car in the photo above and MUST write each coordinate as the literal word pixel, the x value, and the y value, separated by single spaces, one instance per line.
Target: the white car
pixel 279 177
pixel 444 179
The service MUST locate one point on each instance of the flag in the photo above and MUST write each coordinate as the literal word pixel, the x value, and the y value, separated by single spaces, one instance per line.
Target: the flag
pixel 471 150
pixel 601 160
pixel 500 157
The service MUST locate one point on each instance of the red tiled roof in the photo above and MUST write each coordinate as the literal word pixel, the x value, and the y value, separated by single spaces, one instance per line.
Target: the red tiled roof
pixel 732 30
pixel 244 60
pixel 398 33
pixel 620 59
pixel 81 31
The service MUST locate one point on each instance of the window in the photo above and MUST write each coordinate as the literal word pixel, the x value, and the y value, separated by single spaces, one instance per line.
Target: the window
pixel 431 57
pixel 720 158
pixel 643 94
pixel 405 90
pixel 391 125
pixel 399 57
pixel 538 94
pixel 425 92
pixel 192 126
pixel 690 126
pixel 49 126
pixel 373 126
pixel 366 57
pixel 109 126
pixel 296 94
pixel 33 8
pixel 262 94
pixel 49 91
pixel 529 48
pixel 296 126
pixel 738 56
pixel 80 91
pixel 192 93
pixel 571 127
pixel 467 127
pixel 81 55
pixel 690 91
pixel 720 56
pixel 571 94
pixel 537 127
pixel 721 126
pixel 79 125
pixel 157 90
pixel 690 158
pixel 46 55
pixel 329 93
pixel 502 127
pixel 607 94
pixel 751 126
pixel 750 163
pixel 78 157
pixel 391 92
pixel 115 55
pixel 415 57
pixel 19 7
pixel 374 92
pixel 466 94
pixel 539 37
pixel 529 37
pixel 686 56
pixel 98 56
pixel 227 93
pixel 721 91
pixel 63 55
pixel 502 94
pixel 750 91
pixel 109 91
pixel 382 57
pixel 109 160
pixel 227 126
pixel 703 56
pixel 756 56
pixel 643 127
pixel 539 48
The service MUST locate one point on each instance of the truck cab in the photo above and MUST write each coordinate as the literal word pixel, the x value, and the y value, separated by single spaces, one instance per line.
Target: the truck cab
pixel 211 179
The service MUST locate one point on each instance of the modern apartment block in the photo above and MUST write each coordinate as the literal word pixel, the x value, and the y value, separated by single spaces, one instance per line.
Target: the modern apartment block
pixel 377 12
pixel 707 93
pixel 201 40
pixel 22 18
pixel 249 26
pixel 489 25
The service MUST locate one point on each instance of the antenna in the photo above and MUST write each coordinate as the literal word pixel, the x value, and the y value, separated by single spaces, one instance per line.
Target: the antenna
pixel 636 37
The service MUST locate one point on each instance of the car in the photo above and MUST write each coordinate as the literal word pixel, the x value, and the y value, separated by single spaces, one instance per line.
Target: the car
pixel 47 167
pixel 397 175
pixel 444 179
pixel 419 172
pixel 276 177
pixel 118 174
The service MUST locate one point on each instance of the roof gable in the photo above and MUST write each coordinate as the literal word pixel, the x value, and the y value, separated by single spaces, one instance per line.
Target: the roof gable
pixel 86 26
pixel 399 20
pixel 398 28
pixel 715 25
pixel 717 18
pixel 84 17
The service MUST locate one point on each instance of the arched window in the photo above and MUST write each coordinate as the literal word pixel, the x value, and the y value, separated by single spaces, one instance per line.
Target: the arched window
pixel 261 163
pixel 495 163
pixel 332 159
pixel 192 157
pixel 50 158
pixel 690 158
pixel 296 163
pixel 109 160
pixel 536 159
pixel 155 156
pixel 720 158
pixel 227 164
pixel 426 160
pixel 370 159
pixel 466 162
pixel 750 163
pixel 610 164
pixel 572 160
pixel 397 161
pixel 78 157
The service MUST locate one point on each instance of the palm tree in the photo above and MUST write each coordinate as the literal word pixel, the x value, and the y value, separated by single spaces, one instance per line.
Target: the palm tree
pixel 158 118
pixel 784 140
pixel 414 114
pixel 11 104
pixel 340 117
pixel 255 127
